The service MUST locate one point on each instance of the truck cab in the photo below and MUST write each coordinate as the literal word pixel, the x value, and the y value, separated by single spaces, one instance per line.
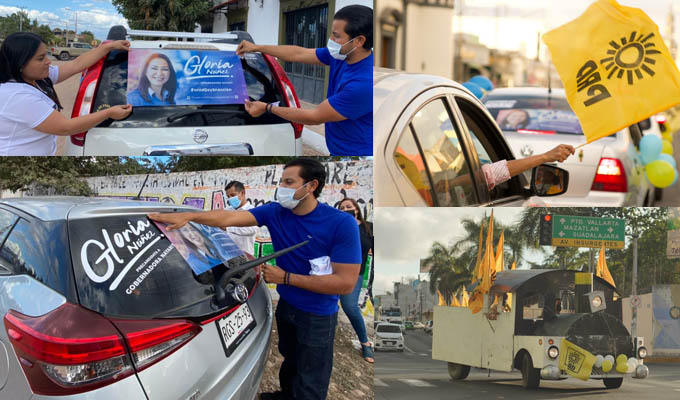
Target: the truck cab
pixel 526 316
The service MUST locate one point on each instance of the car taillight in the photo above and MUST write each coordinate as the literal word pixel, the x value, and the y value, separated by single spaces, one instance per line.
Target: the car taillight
pixel 85 97
pixel 72 350
pixel 610 176
pixel 286 88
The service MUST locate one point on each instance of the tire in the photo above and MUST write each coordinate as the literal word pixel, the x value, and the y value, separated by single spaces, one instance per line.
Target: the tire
pixel 612 383
pixel 531 377
pixel 64 56
pixel 458 371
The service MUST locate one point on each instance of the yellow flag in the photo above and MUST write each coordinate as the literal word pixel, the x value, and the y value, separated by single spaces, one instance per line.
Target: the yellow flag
pixel 476 302
pixel 513 265
pixel 476 275
pixel 454 301
pixel 615 67
pixel 575 360
pixel 602 270
pixel 442 302
pixel 488 263
pixel 500 260
pixel 465 298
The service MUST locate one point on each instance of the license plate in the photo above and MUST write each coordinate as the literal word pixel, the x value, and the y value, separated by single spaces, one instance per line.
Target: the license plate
pixel 235 327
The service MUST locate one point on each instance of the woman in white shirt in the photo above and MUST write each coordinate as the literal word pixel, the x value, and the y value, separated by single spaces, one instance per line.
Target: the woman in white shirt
pixel 29 107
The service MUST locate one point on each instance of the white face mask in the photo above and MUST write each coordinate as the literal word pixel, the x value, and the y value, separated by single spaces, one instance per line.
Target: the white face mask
pixel 334 49
pixel 284 196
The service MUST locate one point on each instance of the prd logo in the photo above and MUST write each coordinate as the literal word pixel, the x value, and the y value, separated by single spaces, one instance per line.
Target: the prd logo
pixel 630 56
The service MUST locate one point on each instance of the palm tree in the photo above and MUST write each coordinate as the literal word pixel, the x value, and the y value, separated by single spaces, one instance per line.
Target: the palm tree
pixel 446 273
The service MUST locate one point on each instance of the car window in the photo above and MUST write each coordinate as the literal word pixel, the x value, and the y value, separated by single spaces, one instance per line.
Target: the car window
pixel 7 220
pixel 125 266
pixel 544 114
pixel 113 91
pixel 443 155
pixel 487 144
pixel 389 329
pixel 408 159
pixel 39 249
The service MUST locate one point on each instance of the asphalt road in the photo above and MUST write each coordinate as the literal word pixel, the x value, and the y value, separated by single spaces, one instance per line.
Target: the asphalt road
pixel 414 375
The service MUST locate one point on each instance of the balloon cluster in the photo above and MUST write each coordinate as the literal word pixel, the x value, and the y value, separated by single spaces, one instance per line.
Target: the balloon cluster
pixel 478 85
pixel 657 157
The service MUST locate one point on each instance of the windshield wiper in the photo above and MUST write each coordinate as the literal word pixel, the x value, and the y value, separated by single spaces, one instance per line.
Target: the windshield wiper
pixel 220 292
pixel 176 116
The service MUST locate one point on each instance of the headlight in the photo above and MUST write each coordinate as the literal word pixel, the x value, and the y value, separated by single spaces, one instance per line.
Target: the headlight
pixel 642 352
pixel 553 352
pixel 597 301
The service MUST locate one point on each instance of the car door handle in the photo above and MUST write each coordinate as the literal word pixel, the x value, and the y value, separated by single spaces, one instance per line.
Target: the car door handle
pixel 228 149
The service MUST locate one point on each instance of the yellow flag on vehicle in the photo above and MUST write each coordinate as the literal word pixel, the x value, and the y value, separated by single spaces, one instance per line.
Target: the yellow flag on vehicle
pixel 500 260
pixel 576 361
pixel 602 270
pixel 465 298
pixel 476 276
pixel 454 301
pixel 442 302
pixel 488 262
pixel 615 67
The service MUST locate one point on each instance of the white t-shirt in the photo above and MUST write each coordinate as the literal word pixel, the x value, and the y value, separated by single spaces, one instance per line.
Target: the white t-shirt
pixel 244 237
pixel 22 108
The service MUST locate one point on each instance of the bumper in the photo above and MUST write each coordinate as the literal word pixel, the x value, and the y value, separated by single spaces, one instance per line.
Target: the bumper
pixel 382 345
pixel 552 372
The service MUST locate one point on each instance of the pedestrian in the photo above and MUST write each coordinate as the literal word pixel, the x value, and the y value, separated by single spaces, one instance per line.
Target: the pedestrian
pixel 348 111
pixel 244 237
pixel 157 83
pixel 29 107
pixel 309 279
pixel 350 302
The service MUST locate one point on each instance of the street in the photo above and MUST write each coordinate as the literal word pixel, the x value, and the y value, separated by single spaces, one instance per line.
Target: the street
pixel 413 374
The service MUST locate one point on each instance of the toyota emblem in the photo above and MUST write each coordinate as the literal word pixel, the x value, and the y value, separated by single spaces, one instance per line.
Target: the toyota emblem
pixel 200 136
pixel 526 150
pixel 240 293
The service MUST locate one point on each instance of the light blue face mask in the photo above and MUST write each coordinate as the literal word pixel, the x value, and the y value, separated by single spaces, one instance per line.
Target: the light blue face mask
pixel 284 196
pixel 334 48
pixel 234 202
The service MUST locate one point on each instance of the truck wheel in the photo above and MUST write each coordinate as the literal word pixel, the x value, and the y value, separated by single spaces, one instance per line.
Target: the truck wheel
pixel 64 56
pixel 458 371
pixel 612 383
pixel 531 377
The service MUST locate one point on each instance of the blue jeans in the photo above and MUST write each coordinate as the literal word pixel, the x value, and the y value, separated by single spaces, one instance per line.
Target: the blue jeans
pixel 350 305
pixel 306 344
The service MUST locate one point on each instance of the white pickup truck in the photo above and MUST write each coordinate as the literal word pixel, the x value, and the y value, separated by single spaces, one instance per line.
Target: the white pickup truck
pixel 73 49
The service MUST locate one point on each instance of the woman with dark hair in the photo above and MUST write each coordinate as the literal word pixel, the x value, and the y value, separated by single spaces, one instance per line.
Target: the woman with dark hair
pixel 157 83
pixel 29 107
pixel 350 302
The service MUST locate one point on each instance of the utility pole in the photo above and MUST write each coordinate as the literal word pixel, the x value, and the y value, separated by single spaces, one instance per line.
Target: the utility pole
pixel 633 325
pixel 21 18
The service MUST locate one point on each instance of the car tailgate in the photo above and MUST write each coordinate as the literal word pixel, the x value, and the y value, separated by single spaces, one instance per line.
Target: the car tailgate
pixel 201 368
pixel 581 166
pixel 266 140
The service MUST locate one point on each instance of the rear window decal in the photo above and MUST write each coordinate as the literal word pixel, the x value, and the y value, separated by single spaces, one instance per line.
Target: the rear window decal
pixel 184 77
pixel 500 103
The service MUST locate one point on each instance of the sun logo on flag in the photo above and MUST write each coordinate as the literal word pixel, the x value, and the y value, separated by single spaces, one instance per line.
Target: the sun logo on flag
pixel 630 56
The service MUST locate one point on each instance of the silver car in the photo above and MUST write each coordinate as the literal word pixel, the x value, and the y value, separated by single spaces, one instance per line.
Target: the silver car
pixel 605 173
pixel 98 303
pixel 389 337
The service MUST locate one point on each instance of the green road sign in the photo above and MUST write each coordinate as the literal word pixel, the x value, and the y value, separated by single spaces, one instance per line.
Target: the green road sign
pixel 574 231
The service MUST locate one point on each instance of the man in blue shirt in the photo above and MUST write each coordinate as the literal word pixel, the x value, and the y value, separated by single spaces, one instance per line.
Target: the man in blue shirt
pixel 348 110
pixel 309 279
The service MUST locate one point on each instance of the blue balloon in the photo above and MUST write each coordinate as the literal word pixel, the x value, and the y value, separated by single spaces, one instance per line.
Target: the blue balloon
pixel 676 177
pixel 650 148
pixel 476 90
pixel 668 158
pixel 482 81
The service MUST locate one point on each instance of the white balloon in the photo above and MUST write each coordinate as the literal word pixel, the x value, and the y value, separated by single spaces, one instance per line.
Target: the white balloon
pixel 632 364
pixel 610 358
pixel 598 360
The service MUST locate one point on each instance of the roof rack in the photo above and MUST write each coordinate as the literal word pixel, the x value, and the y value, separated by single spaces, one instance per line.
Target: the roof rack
pixel 193 35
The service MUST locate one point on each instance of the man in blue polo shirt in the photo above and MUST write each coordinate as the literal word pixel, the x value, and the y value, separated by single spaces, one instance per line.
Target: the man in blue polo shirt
pixel 348 110
pixel 309 279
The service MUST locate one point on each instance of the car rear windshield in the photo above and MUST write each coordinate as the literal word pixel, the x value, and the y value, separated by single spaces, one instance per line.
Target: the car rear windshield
pixel 125 266
pixel 113 91
pixel 541 114
pixel 389 328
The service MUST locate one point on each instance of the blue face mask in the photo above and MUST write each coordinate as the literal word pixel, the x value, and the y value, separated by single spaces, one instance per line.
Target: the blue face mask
pixel 234 202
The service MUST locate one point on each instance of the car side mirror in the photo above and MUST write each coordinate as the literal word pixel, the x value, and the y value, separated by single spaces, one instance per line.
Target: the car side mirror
pixel 548 180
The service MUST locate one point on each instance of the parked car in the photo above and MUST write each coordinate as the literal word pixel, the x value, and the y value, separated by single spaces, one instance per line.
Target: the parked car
pixel 430 139
pixel 418 325
pixel 428 327
pixel 608 171
pixel 389 336
pixel 97 303
pixel 408 325
pixel 186 129
pixel 73 49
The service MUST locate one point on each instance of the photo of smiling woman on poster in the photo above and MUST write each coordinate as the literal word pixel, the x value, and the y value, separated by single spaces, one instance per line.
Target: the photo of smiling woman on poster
pixel 157 83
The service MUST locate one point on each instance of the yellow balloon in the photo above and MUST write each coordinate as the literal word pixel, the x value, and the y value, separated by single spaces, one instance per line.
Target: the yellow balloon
pixel 666 147
pixel 667 136
pixel 621 368
pixel 660 173
pixel 621 359
pixel 606 366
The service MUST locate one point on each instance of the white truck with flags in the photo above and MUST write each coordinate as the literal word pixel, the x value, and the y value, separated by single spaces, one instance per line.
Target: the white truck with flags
pixel 547 323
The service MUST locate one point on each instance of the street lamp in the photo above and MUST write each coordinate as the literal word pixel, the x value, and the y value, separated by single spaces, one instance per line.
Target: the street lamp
pixel 76 24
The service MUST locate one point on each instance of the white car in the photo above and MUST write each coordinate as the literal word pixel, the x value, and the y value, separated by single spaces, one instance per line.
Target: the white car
pixel 605 173
pixel 430 139
pixel 389 337
pixel 186 129
pixel 418 325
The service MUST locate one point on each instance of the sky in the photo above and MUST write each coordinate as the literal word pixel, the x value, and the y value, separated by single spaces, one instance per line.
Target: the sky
pixel 404 235
pixel 96 16
pixel 527 18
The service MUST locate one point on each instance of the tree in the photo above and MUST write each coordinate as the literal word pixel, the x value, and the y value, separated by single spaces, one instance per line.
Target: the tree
pixel 446 274
pixel 163 15
pixel 87 36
